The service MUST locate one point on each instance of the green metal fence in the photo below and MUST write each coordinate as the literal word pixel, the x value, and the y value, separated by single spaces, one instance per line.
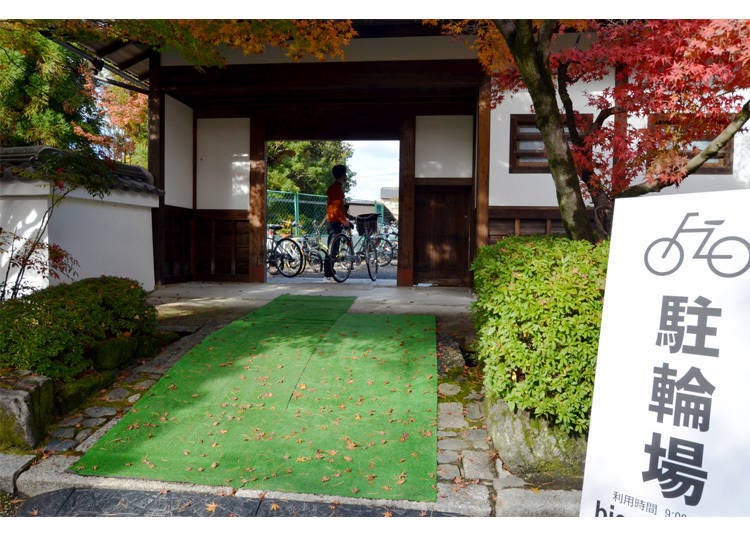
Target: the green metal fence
pixel 308 210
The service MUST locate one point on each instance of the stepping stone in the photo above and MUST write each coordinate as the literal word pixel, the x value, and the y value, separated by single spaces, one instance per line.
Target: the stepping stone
pixel 447 471
pixel 447 456
pixel 63 433
pixel 82 435
pixel 115 395
pixel 448 389
pixel 479 439
pixel 477 465
pixel 451 415
pixel 144 385
pixel 452 444
pixel 474 411
pixel 464 499
pixel 101 411
pixel 93 423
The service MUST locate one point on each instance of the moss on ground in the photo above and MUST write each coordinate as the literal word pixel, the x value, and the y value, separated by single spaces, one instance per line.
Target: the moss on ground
pixel 8 505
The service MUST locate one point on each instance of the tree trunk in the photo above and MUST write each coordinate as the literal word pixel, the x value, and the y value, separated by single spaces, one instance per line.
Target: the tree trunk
pixel 531 55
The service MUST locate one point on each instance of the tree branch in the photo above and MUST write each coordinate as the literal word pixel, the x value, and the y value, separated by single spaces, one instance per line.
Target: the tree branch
pixel 567 102
pixel 698 160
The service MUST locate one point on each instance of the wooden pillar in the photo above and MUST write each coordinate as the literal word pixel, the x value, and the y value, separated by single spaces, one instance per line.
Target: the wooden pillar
pixel 257 209
pixel 194 206
pixel 406 200
pixel 156 162
pixel 484 117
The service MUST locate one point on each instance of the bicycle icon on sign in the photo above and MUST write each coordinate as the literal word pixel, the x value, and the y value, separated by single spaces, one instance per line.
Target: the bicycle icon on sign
pixel 726 257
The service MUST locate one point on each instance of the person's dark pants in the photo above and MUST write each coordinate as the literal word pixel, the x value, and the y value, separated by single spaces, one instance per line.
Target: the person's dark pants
pixel 334 228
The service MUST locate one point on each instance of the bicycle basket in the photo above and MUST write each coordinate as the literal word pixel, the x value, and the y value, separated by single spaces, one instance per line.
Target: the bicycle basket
pixel 367 224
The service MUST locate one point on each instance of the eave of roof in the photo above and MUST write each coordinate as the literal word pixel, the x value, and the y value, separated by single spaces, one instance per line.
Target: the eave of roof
pixel 131 60
pixel 126 177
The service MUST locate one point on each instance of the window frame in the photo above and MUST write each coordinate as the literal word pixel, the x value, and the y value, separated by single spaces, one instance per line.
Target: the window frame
pixel 721 164
pixel 516 156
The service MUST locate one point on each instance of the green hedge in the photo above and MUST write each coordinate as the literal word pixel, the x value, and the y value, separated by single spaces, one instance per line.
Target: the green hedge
pixel 537 317
pixel 49 331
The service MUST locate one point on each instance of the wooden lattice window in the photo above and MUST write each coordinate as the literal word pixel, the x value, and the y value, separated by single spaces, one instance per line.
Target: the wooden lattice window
pixel 527 153
pixel 721 164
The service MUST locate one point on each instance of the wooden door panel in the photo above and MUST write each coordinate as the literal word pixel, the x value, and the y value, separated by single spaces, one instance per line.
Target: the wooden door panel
pixel 443 223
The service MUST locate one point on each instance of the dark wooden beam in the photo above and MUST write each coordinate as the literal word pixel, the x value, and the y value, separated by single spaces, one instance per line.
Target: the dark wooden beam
pixel 257 201
pixel 106 49
pixel 156 166
pixel 483 166
pixel 133 60
pixel 406 199
pixel 322 77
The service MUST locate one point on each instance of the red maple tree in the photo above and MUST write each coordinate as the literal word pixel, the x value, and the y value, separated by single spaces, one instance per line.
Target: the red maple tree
pixel 674 83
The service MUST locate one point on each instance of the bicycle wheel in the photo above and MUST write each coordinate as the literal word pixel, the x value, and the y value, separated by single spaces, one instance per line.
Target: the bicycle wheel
pixel 315 260
pixel 371 258
pixel 271 262
pixel 289 259
pixel 384 250
pixel 342 257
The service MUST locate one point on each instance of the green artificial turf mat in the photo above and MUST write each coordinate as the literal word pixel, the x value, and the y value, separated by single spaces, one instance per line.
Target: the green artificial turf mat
pixel 298 396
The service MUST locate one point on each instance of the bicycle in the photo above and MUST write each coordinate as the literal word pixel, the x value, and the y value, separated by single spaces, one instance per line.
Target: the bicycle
pixel 385 249
pixel 283 255
pixel 664 266
pixel 313 250
pixel 345 252
pixel 390 233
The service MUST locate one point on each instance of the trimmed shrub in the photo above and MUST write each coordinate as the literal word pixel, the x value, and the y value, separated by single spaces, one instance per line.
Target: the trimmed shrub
pixel 49 331
pixel 537 317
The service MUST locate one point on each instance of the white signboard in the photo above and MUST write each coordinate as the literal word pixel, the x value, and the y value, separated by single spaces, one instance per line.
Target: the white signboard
pixel 670 432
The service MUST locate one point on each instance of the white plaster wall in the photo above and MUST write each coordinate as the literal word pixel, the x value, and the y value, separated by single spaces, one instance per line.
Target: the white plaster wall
pixel 22 205
pixel 178 154
pixel 376 49
pixel 444 146
pixel 108 237
pixel 223 163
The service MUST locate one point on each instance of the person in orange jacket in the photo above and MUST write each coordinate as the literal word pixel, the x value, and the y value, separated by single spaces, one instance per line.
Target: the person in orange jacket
pixel 336 211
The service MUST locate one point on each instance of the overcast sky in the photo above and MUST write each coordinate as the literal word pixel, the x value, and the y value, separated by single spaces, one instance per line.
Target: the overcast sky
pixel 376 165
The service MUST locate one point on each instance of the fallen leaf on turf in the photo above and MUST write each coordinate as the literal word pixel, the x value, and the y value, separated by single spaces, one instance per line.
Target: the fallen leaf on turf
pixel 211 507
